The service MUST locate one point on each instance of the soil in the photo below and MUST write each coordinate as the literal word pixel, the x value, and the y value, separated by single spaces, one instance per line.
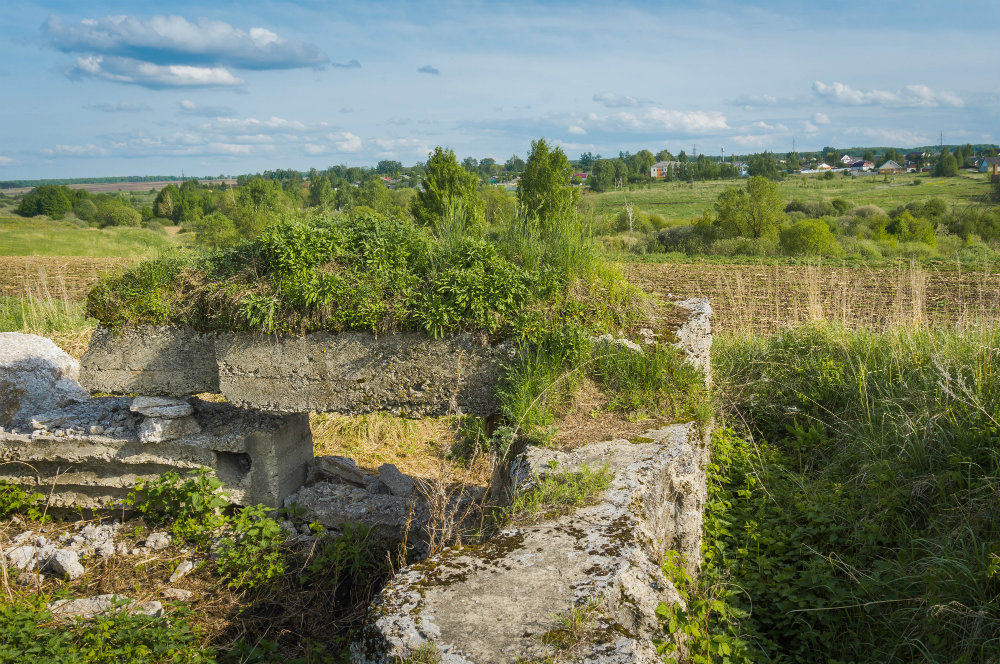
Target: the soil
pixel 64 277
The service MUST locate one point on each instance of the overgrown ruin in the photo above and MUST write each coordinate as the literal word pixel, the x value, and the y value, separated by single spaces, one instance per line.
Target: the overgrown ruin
pixel 486 603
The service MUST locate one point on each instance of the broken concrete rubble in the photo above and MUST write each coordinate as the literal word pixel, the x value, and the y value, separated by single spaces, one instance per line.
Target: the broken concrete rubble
pixel 496 601
pixel 35 376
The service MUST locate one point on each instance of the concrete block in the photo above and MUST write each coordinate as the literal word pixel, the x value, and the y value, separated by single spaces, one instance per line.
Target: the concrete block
pixel 355 372
pixel 151 361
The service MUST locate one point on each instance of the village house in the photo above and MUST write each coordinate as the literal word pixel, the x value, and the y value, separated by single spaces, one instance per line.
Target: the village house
pixel 990 165
pixel 889 167
pixel 660 168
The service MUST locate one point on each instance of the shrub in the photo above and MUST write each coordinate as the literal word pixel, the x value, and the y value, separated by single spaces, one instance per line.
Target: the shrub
pixel 117 214
pixel 809 237
pixel 15 500
pixel 251 555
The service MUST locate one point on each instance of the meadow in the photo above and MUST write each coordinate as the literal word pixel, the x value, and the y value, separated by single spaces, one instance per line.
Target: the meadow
pixel 681 202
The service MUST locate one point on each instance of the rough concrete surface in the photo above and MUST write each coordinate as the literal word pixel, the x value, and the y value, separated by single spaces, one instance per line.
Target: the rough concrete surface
pixel 151 361
pixel 35 376
pixel 695 334
pixel 260 457
pixel 497 601
pixel 355 372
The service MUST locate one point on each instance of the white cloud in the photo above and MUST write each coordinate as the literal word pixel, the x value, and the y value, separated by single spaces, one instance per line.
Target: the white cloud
pixel 350 64
pixel 88 150
pixel 146 74
pixel 173 40
pixel 347 142
pixel 5 160
pixel 618 101
pixel 427 69
pixel 820 119
pixel 752 139
pixel 911 96
pixel 577 130
pixel 188 107
pixel 809 127
pixel 760 124
pixel 689 121
pixel 272 124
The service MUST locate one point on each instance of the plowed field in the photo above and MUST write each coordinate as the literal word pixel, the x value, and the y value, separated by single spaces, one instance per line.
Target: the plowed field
pixel 53 276
pixel 765 299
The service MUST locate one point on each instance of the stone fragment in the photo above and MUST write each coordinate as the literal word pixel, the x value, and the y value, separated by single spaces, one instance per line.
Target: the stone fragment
pixel 22 557
pixel 176 594
pixel 158 430
pixel 161 407
pixel 183 569
pixel 66 562
pixel 398 483
pixel 158 540
pixel 93 606
pixel 337 468
pixel 35 376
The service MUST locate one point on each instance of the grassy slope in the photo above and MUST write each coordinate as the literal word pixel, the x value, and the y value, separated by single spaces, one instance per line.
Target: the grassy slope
pixel 679 202
pixel 41 236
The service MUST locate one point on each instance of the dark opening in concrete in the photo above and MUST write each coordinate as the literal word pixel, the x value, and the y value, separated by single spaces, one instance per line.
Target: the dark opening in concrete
pixel 232 467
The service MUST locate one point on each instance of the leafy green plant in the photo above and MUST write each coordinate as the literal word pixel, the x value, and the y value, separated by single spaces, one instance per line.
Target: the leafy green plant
pixel 192 505
pixel 251 555
pixel 28 633
pixel 15 500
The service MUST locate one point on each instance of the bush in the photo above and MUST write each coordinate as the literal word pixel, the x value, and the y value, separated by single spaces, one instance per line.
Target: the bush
pixel 744 246
pixel 809 237
pixel 251 556
pixel 118 215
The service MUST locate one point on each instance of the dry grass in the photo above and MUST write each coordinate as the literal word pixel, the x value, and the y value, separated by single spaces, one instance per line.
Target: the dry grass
pixel 419 448
pixel 764 299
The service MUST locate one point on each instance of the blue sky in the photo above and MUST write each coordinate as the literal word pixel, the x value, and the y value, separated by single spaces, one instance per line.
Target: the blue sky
pixel 123 88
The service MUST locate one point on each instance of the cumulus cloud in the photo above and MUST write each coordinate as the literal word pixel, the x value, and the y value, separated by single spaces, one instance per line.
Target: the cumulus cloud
pixel 271 124
pixel 350 64
pixel 820 119
pixel 673 120
pixel 911 96
pixel 347 142
pixel 149 75
pixel 760 124
pixel 120 107
pixel 174 40
pixel 577 130
pixel 427 69
pixel 5 160
pixel 618 101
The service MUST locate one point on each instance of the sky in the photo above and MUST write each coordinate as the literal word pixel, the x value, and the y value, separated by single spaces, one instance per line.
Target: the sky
pixel 104 88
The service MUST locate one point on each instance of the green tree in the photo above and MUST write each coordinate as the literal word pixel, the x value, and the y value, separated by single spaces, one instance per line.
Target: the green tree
pixel 445 184
pixel 52 200
pixel 118 214
pixel 514 165
pixel 753 211
pixel 388 167
pixel 217 230
pixel 602 175
pixel 544 189
pixel 85 209
pixel 664 155
pixel 586 160
pixel 763 164
pixel 166 200
pixel 321 193
pixel 946 165
pixel 868 156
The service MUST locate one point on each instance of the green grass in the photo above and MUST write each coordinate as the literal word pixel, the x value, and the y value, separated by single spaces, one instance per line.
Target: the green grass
pixel 680 202
pixel 41 316
pixel 855 515
pixel 39 236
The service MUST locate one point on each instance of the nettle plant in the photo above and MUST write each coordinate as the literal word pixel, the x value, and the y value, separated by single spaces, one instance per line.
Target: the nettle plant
pixel 191 505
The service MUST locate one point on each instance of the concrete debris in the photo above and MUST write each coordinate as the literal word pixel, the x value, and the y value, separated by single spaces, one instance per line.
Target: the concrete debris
pixel 35 376
pixel 66 562
pixel 398 484
pixel 161 407
pixel 158 429
pixel 158 540
pixel 176 594
pixel 183 569
pixel 110 604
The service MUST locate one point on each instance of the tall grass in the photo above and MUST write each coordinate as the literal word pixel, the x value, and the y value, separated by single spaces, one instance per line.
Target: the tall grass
pixel 859 515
